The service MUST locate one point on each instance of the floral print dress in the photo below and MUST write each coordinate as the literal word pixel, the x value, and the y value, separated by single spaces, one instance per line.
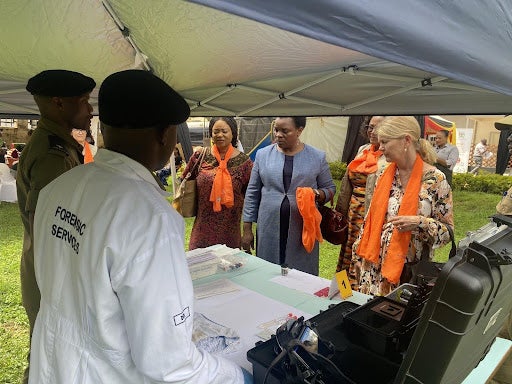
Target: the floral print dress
pixel 222 227
pixel 435 205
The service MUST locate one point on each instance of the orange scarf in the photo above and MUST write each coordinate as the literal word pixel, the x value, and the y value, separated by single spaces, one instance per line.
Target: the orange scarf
pixel 88 158
pixel 367 162
pixel 369 247
pixel 222 188
pixel 311 218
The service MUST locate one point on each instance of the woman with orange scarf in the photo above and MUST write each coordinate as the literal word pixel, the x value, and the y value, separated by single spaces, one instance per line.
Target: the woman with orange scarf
pixel 410 209
pixel 221 184
pixel 356 191
pixel 287 179
pixel 89 149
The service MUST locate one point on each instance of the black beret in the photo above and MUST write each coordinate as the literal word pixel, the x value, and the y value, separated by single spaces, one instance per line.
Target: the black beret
pixel 60 83
pixel 137 99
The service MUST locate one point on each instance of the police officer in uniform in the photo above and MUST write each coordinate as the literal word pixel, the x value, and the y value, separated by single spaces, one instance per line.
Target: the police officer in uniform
pixel 63 100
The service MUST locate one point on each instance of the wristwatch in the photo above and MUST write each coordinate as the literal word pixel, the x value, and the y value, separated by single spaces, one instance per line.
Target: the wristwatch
pixel 317 194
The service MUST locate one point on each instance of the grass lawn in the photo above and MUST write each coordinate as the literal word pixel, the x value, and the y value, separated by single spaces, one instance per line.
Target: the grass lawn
pixel 472 210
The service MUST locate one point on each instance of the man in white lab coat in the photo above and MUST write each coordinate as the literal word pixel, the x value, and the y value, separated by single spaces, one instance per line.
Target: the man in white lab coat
pixel 116 294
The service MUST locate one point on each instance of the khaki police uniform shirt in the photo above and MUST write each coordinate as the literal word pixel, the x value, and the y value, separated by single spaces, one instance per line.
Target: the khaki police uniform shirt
pixel 50 152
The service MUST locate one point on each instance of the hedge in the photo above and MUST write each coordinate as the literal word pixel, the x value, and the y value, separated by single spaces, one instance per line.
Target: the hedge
pixel 483 182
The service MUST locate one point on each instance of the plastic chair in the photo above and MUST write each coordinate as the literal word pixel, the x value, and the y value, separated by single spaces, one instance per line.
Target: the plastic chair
pixel 7 185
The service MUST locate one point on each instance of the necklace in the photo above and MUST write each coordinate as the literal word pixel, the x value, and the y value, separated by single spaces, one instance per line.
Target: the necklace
pixel 404 177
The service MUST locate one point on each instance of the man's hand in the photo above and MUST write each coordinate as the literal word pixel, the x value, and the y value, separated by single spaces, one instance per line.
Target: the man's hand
pixel 441 161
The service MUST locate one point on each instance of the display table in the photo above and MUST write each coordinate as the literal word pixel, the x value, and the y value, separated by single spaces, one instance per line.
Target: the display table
pixel 264 296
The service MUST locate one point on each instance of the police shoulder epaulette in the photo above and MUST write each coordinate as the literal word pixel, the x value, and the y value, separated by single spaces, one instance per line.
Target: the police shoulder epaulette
pixel 57 144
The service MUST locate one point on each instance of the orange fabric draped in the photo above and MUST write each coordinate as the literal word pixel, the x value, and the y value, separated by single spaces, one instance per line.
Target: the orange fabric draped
pixel 222 188
pixel 311 218
pixel 88 158
pixel 367 162
pixel 369 247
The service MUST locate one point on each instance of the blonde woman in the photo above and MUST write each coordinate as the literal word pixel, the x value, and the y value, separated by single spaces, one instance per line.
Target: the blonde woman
pixel 410 210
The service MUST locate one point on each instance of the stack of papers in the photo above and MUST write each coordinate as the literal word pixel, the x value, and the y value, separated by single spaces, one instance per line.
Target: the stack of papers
pixel 215 288
pixel 199 255
pixel 202 262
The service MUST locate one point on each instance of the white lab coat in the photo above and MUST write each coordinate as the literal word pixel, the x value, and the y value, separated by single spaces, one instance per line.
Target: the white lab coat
pixel 116 294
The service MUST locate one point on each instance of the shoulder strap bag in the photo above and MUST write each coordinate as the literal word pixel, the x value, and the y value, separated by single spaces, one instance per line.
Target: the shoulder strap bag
pixel 185 198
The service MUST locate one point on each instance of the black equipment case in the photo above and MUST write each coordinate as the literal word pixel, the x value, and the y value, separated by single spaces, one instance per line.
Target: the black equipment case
pixel 442 343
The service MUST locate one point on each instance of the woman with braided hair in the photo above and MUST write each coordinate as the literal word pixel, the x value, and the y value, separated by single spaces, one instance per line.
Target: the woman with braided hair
pixel 221 184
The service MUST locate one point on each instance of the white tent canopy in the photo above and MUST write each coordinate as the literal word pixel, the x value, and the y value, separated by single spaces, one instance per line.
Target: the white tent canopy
pixel 331 57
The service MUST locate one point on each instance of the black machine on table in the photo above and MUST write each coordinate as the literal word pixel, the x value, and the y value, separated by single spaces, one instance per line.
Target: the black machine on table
pixel 430 333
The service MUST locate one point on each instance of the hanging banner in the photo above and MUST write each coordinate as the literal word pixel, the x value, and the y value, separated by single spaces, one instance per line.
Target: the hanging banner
pixel 434 124
pixel 464 139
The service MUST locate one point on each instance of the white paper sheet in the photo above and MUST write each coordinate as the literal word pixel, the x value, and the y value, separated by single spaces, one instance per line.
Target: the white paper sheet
pixel 245 311
pixel 301 281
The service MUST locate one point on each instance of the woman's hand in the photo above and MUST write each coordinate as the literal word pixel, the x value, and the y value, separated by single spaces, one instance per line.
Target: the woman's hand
pixel 406 223
pixel 247 238
pixel 319 196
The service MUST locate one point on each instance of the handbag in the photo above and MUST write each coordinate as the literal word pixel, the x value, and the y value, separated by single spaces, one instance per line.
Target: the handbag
pixel 334 226
pixel 185 198
pixel 424 270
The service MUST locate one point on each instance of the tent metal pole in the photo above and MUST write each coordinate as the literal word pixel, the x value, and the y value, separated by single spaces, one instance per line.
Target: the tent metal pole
pixel 464 87
pixel 204 103
pixel 253 89
pixel 215 108
pixel 315 102
pixel 126 33
pixel 392 93
pixel 213 97
pixel 270 101
pixel 317 81
pixel 384 76
pixel 195 104
pixel 288 96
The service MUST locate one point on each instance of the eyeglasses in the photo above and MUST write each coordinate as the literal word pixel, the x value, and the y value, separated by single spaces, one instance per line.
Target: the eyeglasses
pixel 81 131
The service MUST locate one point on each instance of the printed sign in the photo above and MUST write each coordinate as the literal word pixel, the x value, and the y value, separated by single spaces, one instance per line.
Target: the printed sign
pixel 464 139
pixel 343 284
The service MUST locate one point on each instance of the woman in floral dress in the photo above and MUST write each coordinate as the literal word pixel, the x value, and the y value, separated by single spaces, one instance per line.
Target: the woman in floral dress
pixel 410 211
pixel 221 184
